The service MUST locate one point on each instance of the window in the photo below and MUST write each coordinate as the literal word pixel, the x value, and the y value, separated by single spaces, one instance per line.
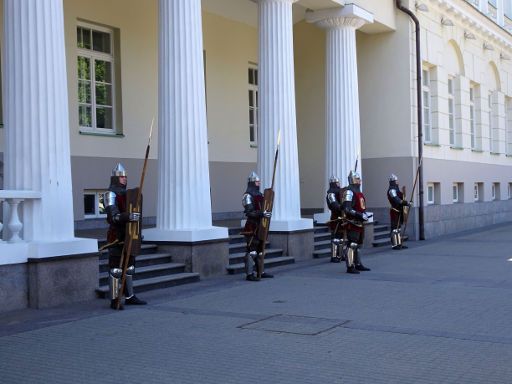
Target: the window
pixel 508 125
pixel 478 192
pixel 430 193
pixel 253 105
pixel 455 192
pixel 433 193
pixel 472 121
pixel 491 128
pixel 510 190
pixel 495 191
pixel 93 204
pixel 451 111
pixel 95 64
pixel 427 109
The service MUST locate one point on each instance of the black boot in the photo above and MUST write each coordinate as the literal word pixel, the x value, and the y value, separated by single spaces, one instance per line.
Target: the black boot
pixel 352 270
pixel 134 300
pixel 361 267
pixel 266 275
pixel 252 277
pixel 335 260
pixel 113 305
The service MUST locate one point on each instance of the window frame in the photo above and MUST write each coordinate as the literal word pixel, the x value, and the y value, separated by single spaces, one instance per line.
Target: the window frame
pixel 94 56
pixel 455 193
pixel 426 93
pixel 431 187
pixel 451 110
pixel 98 197
pixel 472 115
pixel 253 95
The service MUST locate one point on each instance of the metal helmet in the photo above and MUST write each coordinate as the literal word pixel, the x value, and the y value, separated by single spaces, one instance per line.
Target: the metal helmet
pixel 334 179
pixel 253 177
pixel 119 170
pixel 393 177
pixel 354 178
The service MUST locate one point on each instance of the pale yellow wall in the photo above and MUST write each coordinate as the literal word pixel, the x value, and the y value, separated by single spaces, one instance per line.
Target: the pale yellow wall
pixel 309 49
pixel 138 24
pixel 385 93
pixel 383 10
pixel 229 46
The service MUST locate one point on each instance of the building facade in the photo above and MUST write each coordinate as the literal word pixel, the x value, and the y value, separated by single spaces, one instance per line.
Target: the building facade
pixel 222 79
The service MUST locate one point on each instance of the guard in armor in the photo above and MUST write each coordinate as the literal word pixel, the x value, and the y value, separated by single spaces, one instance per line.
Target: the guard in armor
pixel 252 202
pixel 117 216
pixel 335 224
pixel 399 207
pixel 354 207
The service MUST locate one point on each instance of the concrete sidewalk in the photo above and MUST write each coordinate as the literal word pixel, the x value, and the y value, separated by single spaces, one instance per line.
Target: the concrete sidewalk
pixel 439 312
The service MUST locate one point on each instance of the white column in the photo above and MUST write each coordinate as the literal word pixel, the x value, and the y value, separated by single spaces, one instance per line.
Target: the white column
pixel 343 136
pixel 184 204
pixel 277 112
pixel 37 154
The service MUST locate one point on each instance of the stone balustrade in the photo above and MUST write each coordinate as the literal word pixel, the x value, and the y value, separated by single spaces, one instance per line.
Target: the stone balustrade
pixel 12 228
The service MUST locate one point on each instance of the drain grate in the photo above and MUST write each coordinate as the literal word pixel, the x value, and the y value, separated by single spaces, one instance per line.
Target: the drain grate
pixel 299 325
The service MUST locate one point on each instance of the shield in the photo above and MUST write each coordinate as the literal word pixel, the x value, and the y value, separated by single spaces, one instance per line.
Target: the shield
pixel 133 229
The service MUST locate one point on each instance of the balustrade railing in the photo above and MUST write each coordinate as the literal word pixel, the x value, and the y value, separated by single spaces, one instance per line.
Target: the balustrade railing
pixel 12 200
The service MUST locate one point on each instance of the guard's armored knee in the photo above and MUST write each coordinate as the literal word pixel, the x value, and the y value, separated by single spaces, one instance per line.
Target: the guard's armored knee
pixel 351 254
pixel 114 282
pixel 396 238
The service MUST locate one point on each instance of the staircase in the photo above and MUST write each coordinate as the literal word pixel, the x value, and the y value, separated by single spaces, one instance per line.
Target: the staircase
pixel 322 243
pixel 153 270
pixel 322 247
pixel 381 235
pixel 237 248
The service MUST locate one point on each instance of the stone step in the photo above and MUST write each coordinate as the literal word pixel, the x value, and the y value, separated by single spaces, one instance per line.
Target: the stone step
pixel 322 236
pixel 236 239
pixel 321 253
pixel 322 244
pixel 155 283
pixel 381 242
pixel 241 247
pixel 234 231
pixel 381 228
pixel 269 263
pixel 145 249
pixel 236 258
pixel 150 271
pixel 381 235
pixel 142 260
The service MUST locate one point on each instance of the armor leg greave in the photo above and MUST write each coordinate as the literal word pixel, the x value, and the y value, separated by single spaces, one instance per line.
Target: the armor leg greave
pixel 129 281
pixel 351 254
pixel 396 238
pixel 114 282
pixel 250 258
pixel 335 249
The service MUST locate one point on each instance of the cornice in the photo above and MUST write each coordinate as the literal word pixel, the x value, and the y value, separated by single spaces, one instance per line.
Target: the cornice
pixel 467 16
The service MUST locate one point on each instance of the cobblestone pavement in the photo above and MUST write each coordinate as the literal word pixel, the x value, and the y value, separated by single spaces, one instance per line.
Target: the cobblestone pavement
pixel 438 312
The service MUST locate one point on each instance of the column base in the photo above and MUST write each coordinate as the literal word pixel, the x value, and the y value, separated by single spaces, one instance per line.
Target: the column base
pixel 299 244
pixel 62 272
pixel 322 218
pixel 290 225
pixel 185 235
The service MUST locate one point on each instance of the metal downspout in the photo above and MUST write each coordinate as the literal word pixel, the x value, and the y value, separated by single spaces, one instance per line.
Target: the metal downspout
pixel 421 218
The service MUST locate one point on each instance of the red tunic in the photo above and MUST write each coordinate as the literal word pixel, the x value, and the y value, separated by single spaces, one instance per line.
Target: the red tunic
pixel 359 205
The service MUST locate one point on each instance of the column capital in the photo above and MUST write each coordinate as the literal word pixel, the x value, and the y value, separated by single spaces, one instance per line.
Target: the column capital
pixel 274 1
pixel 348 16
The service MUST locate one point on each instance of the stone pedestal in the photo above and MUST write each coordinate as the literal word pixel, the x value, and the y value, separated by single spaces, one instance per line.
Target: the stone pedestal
pixel 208 258
pixel 62 280
pixel 368 235
pixel 299 244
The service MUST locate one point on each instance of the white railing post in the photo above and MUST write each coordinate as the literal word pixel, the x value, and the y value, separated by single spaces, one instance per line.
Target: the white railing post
pixel 13 226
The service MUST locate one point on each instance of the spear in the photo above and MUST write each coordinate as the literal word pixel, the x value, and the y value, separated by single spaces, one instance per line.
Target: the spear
pixel 132 228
